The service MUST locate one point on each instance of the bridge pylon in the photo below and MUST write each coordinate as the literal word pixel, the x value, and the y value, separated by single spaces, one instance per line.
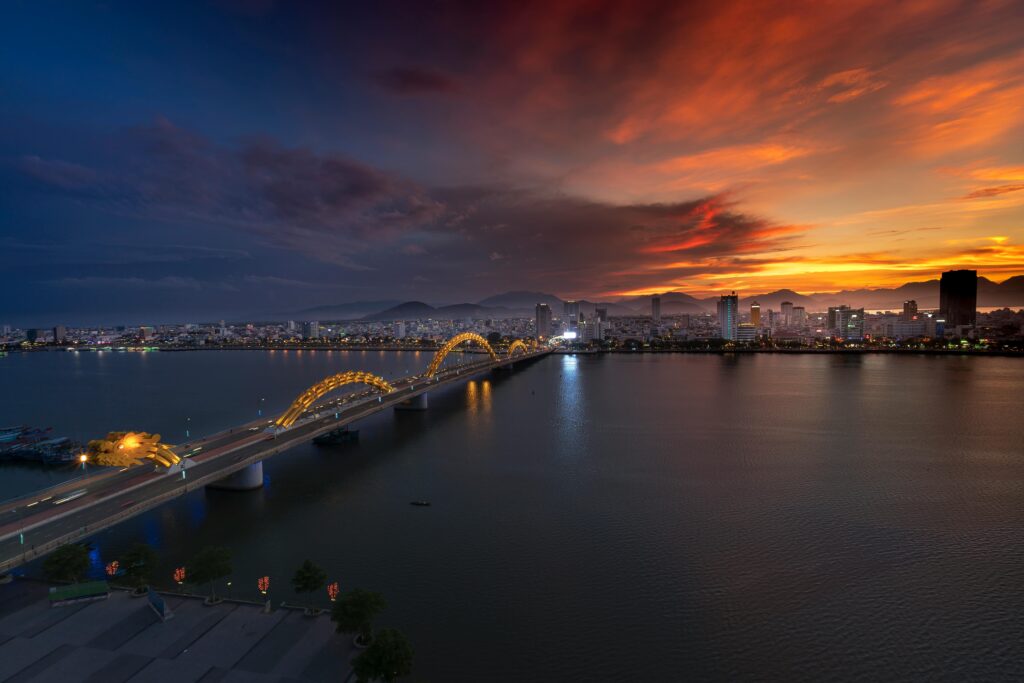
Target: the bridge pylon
pixel 246 479
pixel 418 402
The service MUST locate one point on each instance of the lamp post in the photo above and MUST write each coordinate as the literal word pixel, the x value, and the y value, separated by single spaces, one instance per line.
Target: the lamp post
pixel 188 427
pixel 259 408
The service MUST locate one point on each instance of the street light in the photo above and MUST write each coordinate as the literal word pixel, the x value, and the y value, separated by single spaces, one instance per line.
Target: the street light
pixel 188 426
pixel 259 408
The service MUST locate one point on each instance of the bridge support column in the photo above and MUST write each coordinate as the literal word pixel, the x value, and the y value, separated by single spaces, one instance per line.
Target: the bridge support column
pixel 415 403
pixel 507 367
pixel 243 480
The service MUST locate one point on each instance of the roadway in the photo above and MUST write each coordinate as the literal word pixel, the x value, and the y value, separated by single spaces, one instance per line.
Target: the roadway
pixel 34 525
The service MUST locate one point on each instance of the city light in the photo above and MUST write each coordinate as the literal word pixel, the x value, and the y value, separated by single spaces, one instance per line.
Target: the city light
pixel 179 575
pixel 263 583
pixel 112 568
pixel 332 591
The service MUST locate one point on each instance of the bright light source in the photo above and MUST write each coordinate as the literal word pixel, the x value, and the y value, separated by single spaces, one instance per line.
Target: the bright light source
pixel 83 457
pixel 569 335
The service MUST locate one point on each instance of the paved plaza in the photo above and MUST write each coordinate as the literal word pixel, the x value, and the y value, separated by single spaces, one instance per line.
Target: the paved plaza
pixel 121 639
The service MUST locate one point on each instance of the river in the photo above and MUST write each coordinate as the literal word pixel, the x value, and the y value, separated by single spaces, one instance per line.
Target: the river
pixel 615 517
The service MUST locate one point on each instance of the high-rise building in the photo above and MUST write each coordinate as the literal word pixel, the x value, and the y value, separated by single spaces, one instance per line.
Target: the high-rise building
pixel 602 314
pixel 572 315
pixel 746 332
pixel 849 322
pixel 958 297
pixel 32 335
pixel 798 316
pixel 728 314
pixel 291 325
pixel 656 308
pixel 311 329
pixel 909 310
pixel 60 334
pixel 755 315
pixel 787 313
pixel 543 312
pixel 400 329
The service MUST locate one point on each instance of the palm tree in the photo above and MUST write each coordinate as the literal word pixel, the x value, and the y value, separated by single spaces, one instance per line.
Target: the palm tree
pixel 309 578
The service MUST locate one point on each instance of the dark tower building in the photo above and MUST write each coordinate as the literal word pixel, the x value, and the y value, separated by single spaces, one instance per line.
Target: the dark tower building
pixel 958 297
pixel 543 321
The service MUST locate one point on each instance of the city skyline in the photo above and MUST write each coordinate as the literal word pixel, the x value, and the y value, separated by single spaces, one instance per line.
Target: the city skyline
pixel 265 153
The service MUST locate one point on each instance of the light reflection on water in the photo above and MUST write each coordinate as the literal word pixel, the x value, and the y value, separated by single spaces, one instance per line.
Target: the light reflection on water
pixel 633 517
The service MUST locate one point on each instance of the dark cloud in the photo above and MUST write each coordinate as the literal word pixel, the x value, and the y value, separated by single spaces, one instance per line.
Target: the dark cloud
pixel 415 81
pixel 336 210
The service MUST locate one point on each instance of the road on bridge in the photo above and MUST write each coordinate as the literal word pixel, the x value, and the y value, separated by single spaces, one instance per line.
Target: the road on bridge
pixel 34 525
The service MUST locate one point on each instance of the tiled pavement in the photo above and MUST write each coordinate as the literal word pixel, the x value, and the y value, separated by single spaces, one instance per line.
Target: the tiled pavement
pixel 121 639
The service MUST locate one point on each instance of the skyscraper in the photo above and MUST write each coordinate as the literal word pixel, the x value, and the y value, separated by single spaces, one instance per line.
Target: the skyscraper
pixel 572 315
pixel 849 322
pixel 755 315
pixel 958 297
pixel 543 312
pixel 798 317
pixel 656 308
pixel 909 309
pixel 728 313
pixel 311 329
pixel 787 313
pixel 602 314
pixel 60 334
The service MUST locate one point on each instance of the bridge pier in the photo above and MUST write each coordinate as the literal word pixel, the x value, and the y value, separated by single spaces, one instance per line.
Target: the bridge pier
pixel 507 367
pixel 418 402
pixel 243 480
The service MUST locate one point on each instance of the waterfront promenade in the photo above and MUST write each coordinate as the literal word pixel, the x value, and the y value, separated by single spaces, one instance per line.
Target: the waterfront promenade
pixel 121 639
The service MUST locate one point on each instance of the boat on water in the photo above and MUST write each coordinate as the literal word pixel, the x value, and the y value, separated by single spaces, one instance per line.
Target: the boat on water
pixel 28 444
pixel 421 503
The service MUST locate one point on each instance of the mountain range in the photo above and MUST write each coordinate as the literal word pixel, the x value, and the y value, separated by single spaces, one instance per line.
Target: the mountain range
pixel 520 304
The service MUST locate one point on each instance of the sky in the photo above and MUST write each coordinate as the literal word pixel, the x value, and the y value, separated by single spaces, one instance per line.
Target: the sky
pixel 180 161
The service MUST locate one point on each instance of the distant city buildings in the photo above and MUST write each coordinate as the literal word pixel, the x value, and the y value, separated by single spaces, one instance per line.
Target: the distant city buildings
pixel 746 332
pixel 755 315
pixel 787 313
pixel 572 316
pixel 909 310
pixel 60 334
pixel 656 309
pixel 543 316
pixel 728 315
pixel 311 329
pixel 849 322
pixel 958 297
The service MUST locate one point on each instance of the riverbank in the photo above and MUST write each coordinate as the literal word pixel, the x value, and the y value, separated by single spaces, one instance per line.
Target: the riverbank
pixel 121 638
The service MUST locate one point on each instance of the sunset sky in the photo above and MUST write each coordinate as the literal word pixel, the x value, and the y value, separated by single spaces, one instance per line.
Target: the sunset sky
pixel 190 159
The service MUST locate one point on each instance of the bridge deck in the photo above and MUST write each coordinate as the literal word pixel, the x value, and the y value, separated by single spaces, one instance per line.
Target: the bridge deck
pixel 35 525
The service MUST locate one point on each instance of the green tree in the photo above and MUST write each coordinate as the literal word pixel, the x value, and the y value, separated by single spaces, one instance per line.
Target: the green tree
pixel 388 657
pixel 67 563
pixel 139 563
pixel 354 612
pixel 309 578
pixel 208 565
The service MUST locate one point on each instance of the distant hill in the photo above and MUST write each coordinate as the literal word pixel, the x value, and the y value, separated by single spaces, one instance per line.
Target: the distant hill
pixel 347 311
pixel 520 304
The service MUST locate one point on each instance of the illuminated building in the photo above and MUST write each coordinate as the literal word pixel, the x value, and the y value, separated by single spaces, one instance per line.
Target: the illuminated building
pixel 849 322
pixel 543 312
pixel 602 314
pixel 909 310
pixel 60 334
pixel 311 329
pixel 798 316
pixel 728 312
pixel 958 297
pixel 746 332
pixel 656 308
pixel 755 315
pixel 572 315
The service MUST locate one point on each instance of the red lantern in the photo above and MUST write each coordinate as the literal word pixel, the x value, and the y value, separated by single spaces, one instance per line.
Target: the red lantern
pixel 332 591
pixel 112 568
pixel 263 583
pixel 179 575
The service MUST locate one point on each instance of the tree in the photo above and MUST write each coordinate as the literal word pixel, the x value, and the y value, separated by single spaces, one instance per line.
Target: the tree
pixel 67 563
pixel 309 578
pixel 355 610
pixel 208 565
pixel 388 657
pixel 139 563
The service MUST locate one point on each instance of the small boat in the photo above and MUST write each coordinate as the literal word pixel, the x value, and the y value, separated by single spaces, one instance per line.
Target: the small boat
pixel 421 503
